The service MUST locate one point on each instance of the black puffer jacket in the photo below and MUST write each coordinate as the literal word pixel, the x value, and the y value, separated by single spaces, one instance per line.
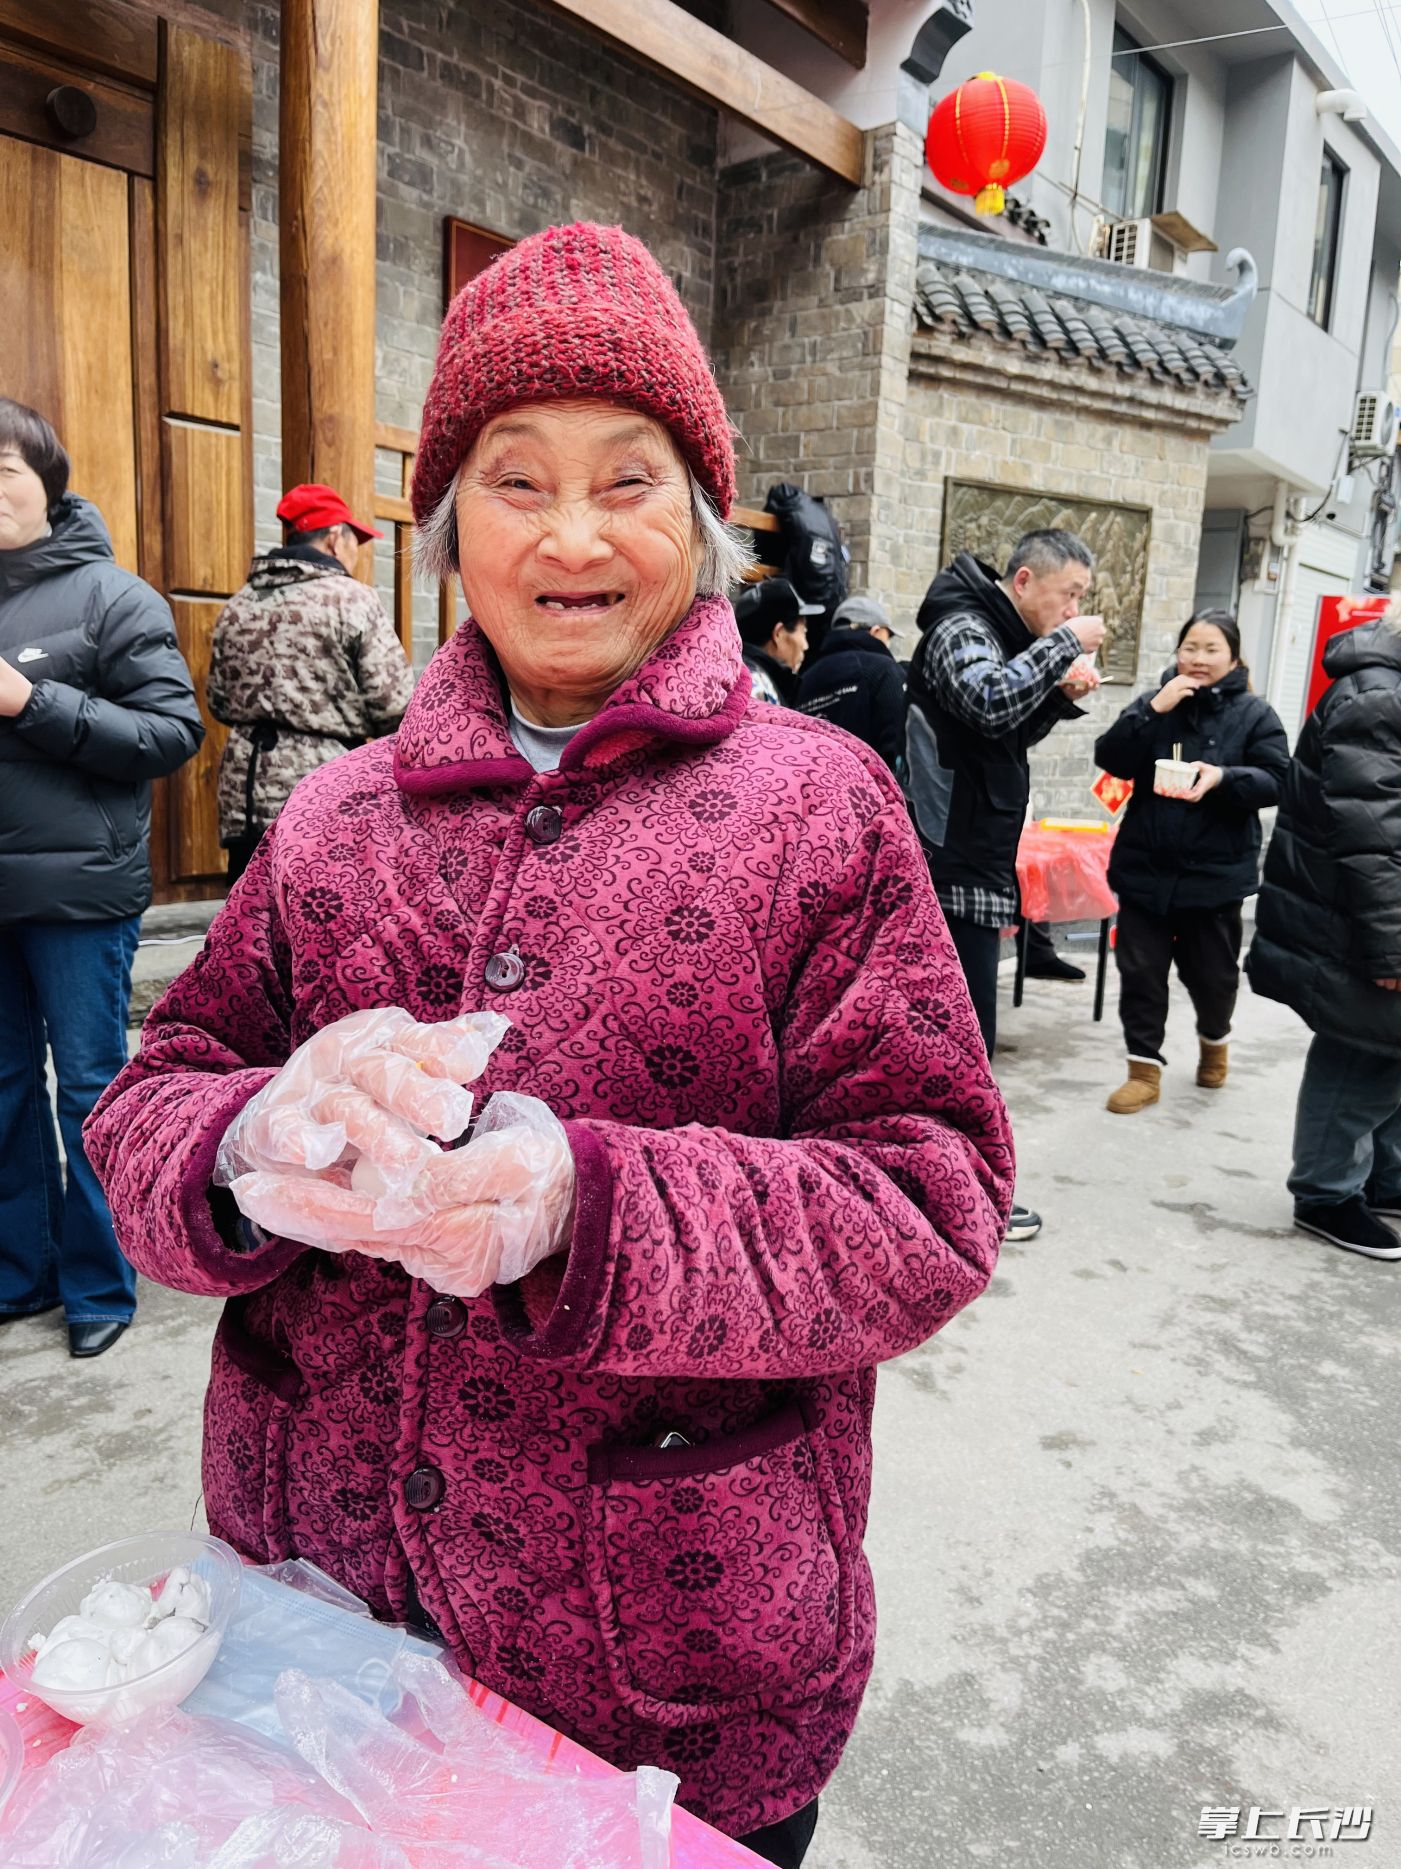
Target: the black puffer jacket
pixel 855 682
pixel 1328 923
pixel 113 707
pixel 1173 855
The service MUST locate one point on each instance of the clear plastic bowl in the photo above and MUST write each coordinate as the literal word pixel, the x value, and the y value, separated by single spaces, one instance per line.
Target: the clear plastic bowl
pixel 147 1560
pixel 11 1756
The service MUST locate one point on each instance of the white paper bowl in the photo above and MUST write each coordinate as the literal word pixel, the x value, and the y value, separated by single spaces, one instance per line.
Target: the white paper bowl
pixel 146 1560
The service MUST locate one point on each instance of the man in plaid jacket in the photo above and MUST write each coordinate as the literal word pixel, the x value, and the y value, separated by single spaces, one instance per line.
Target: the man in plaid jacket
pixel 988 680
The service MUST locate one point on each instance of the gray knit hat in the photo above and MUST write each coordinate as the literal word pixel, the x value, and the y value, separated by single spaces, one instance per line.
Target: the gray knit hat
pixel 864 613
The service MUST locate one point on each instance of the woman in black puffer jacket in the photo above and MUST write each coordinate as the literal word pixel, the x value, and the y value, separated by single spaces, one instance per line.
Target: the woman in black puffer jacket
pixel 1182 866
pixel 1328 942
pixel 95 702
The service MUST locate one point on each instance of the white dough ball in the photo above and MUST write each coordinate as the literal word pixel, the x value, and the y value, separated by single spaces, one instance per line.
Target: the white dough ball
pixel 78 1666
pixel 66 1629
pixel 163 1643
pixel 366 1177
pixel 183 1594
pixel 116 1605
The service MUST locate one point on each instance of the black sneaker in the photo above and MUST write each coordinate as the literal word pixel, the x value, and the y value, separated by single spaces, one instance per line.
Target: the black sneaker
pixel 1351 1225
pixel 1052 967
pixel 1025 1225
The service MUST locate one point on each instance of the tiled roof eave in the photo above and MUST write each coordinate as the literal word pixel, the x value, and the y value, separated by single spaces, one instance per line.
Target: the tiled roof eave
pixel 1120 388
pixel 1075 331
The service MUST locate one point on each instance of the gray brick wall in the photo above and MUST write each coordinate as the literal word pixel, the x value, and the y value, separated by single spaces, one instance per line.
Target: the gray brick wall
pixel 811 335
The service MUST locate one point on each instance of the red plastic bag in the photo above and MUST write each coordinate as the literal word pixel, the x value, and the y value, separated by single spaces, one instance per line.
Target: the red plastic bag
pixel 1064 875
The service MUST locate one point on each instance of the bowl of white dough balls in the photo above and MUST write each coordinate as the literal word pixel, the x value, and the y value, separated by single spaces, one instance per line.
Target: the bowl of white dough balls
pixel 131 1626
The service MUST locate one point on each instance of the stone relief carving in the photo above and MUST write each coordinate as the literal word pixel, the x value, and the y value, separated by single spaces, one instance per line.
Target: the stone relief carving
pixel 988 521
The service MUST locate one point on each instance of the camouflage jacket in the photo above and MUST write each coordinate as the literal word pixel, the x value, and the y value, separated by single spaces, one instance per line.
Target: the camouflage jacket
pixel 304 664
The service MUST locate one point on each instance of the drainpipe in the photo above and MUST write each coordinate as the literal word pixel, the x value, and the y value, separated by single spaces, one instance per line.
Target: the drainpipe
pixel 1286 535
pixel 1351 106
pixel 1080 126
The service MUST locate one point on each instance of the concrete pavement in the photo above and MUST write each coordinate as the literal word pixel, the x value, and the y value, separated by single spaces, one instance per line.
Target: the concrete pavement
pixel 1135 1530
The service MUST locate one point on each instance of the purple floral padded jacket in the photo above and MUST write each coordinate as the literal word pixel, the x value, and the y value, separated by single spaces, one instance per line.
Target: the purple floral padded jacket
pixel 717 939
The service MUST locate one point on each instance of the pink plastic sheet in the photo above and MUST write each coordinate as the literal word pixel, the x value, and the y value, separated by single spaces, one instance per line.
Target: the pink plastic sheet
pixel 1064 875
pixel 694 1845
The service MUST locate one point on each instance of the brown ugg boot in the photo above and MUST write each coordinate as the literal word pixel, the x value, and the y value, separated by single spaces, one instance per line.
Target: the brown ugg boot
pixel 1144 1081
pixel 1215 1055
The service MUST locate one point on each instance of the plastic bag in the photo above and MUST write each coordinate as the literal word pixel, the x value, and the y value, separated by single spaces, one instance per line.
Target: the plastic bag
pixel 471 1786
pixel 294 1610
pixel 162 1793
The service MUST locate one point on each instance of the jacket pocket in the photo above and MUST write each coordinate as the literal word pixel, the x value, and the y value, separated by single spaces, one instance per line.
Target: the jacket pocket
pixel 253 1390
pixel 721 1573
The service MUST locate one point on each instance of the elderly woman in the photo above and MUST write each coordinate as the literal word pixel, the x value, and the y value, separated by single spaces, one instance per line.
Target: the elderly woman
pixel 592 1394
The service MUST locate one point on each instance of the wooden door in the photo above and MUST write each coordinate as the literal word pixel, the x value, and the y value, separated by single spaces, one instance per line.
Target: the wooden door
pixel 124 318
pixel 65 309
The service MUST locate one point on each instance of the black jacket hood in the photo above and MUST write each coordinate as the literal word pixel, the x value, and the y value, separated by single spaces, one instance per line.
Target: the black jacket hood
pixel 1370 645
pixel 78 535
pixel 970 586
pixel 843 641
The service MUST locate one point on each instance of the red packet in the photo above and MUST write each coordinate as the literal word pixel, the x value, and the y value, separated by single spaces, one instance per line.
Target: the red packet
pixel 1112 793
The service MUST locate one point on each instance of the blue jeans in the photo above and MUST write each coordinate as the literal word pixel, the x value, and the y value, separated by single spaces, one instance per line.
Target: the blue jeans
pixel 1347 1131
pixel 65 987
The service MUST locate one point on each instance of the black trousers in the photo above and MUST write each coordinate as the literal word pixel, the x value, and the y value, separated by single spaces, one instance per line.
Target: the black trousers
pixel 978 949
pixel 1204 943
pixel 785 1843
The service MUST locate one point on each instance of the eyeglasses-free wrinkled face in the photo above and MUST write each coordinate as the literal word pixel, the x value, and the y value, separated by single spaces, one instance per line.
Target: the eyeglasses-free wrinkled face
pixel 579 549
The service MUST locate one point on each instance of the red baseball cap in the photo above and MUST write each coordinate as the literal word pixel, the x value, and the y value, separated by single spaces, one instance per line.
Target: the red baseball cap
pixel 312 507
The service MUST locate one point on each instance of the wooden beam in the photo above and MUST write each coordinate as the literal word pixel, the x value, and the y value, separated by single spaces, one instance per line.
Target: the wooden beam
pixel 113 39
pixel 396 440
pixel 714 68
pixel 840 24
pixel 754 519
pixel 389 506
pixel 326 154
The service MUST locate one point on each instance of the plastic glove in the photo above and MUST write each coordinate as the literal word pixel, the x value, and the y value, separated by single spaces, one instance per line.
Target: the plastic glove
pixel 376 1083
pixel 490 1211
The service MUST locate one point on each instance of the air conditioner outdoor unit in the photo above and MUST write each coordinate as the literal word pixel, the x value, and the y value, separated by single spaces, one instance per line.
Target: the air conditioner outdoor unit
pixel 1140 243
pixel 1374 425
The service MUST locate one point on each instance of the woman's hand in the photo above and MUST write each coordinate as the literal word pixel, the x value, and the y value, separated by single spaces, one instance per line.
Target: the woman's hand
pixel 1173 693
pixel 15 690
pixel 489 1211
pixel 1207 780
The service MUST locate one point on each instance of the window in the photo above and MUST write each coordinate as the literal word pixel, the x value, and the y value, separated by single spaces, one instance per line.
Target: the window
pixel 1326 229
pixel 1136 136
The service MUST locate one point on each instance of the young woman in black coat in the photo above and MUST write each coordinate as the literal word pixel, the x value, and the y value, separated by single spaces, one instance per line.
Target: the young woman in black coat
pixel 1182 866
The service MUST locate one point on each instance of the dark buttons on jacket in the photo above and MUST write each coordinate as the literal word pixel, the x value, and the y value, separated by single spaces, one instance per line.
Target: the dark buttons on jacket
pixel 446 1318
pixel 424 1488
pixel 504 972
pixel 544 824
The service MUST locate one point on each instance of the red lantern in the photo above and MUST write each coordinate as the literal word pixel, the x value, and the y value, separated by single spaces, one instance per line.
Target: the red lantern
pixel 984 136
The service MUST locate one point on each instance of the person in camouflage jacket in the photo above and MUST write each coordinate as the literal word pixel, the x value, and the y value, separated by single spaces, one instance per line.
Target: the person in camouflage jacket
pixel 304 665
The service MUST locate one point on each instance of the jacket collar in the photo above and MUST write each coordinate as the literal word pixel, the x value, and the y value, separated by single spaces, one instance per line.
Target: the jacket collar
pixel 692 691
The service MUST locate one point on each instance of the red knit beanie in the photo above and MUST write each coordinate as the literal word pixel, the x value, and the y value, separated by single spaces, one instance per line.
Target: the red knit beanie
pixel 571 312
